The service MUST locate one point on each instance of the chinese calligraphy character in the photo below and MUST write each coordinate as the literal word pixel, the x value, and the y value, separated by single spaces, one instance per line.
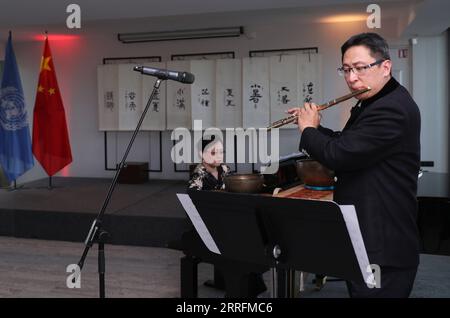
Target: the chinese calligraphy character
pixel 255 95
pixel 155 106
pixel 310 88
pixel 283 95
pixel 156 100
pixel 129 100
pixel 132 106
pixel 180 100
pixel 110 105
pixel 109 100
pixel 308 91
pixel 229 97
pixel 204 97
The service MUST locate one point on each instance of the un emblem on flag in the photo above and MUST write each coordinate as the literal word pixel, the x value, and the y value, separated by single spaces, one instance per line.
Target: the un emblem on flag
pixel 13 115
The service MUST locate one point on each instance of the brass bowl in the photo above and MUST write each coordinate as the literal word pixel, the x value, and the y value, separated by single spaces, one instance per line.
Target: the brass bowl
pixel 313 173
pixel 244 183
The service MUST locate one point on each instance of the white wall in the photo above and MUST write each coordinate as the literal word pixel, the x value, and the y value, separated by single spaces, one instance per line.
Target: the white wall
pixel 76 60
pixel 430 91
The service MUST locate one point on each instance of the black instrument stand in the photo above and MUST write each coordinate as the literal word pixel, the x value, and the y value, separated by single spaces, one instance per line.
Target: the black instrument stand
pixel 281 233
pixel 97 233
pixel 274 273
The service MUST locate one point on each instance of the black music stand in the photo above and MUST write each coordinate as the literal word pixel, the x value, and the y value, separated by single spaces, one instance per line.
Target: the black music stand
pixel 281 233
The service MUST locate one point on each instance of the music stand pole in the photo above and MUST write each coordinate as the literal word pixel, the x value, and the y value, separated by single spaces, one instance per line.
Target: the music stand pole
pixel 276 252
pixel 96 232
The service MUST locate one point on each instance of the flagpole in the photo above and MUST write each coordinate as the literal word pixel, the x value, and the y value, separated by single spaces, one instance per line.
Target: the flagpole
pixel 49 177
pixel 96 232
pixel 15 188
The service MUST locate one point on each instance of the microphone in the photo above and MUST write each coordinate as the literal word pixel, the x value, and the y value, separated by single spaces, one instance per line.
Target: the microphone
pixel 183 77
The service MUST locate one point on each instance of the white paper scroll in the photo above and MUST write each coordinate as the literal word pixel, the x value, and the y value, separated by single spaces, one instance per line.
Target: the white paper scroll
pixel 130 98
pixel 255 92
pixel 155 118
pixel 178 98
pixel 203 92
pixel 108 100
pixel 310 78
pixel 283 86
pixel 228 93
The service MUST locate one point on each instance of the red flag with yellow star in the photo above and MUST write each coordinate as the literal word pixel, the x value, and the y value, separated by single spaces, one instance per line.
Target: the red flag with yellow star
pixel 51 145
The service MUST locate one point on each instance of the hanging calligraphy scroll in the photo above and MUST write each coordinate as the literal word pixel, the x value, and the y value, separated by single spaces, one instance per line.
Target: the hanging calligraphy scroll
pixel 228 93
pixel 120 92
pixel 203 92
pixel 130 97
pixel 155 118
pixel 178 98
pixel 108 99
pixel 309 78
pixel 283 86
pixel 255 92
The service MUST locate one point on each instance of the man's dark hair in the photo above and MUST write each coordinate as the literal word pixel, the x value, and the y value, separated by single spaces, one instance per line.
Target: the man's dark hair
pixel 378 46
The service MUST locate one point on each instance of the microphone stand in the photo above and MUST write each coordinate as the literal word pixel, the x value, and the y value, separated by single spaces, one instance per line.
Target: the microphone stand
pixel 97 233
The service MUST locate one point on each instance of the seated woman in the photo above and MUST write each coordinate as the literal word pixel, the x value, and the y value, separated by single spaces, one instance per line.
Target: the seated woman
pixel 209 175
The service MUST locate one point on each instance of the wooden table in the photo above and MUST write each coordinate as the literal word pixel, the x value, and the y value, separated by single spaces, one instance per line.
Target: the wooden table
pixel 300 192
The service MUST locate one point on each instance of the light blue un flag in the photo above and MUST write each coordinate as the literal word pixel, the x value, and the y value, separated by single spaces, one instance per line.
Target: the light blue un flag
pixel 15 144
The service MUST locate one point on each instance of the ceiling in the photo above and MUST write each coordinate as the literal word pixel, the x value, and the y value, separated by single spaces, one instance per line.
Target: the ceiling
pixel 433 15
pixel 25 12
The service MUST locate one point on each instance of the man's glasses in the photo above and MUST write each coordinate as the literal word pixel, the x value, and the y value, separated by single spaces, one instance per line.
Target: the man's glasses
pixel 358 70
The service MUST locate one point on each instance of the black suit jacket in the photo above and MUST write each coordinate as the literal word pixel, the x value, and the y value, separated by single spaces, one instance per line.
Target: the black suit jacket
pixel 376 159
